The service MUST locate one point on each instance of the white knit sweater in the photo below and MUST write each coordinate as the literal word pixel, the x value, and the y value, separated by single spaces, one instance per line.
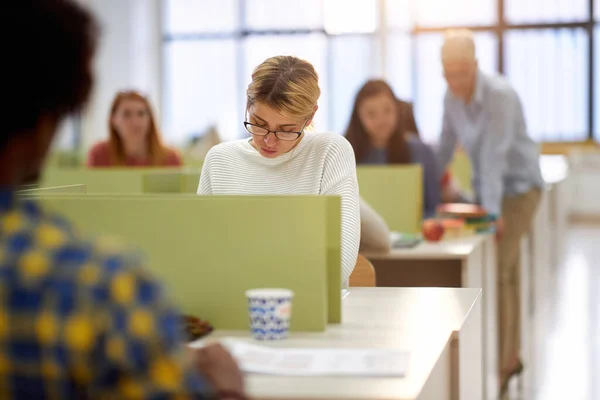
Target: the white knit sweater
pixel 322 163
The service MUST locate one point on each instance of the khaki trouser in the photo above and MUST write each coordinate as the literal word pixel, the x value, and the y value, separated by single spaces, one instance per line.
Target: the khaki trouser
pixel 517 213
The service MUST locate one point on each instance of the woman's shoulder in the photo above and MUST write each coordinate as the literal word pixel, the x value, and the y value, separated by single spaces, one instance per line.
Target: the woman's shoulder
pixel 227 149
pixel 101 146
pixel 99 154
pixel 173 158
pixel 329 140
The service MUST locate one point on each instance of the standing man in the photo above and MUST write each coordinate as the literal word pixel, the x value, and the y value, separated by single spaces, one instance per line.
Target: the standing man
pixel 483 113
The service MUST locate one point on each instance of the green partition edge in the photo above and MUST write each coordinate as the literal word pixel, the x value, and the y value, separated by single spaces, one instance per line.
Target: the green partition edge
pixel 395 192
pixel 333 225
pixel 102 180
pixel 35 191
pixel 298 240
pixel 462 171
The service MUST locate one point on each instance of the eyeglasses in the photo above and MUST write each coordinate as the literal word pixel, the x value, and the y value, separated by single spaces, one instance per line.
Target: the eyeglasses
pixel 281 135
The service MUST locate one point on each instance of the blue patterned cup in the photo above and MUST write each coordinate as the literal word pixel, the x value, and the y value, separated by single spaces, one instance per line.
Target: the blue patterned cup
pixel 270 311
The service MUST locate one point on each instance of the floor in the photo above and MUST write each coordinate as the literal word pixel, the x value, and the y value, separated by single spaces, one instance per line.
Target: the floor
pixel 569 356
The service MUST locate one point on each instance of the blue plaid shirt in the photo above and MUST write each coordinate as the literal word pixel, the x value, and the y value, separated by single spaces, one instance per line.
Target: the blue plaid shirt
pixel 80 318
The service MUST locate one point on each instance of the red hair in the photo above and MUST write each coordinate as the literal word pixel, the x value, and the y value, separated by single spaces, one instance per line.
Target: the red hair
pixel 158 152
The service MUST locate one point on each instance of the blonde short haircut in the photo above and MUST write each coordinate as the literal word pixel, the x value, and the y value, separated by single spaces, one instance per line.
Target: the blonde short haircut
pixel 288 84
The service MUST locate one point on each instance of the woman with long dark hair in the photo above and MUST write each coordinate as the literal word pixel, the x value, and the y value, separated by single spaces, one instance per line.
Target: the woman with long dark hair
pixel 382 130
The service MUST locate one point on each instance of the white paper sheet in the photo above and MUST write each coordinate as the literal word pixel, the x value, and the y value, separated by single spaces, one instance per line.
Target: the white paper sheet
pixel 302 362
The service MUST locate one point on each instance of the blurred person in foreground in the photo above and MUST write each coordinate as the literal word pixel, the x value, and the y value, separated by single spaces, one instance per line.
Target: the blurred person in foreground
pixel 483 114
pixel 79 319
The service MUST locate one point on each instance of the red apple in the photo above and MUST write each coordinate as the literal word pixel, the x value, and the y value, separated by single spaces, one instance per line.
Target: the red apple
pixel 433 230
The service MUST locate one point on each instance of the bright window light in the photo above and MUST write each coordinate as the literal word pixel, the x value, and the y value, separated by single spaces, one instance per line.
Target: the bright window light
pixel 356 16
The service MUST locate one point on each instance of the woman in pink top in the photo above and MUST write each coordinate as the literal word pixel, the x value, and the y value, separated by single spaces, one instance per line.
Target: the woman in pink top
pixel 134 138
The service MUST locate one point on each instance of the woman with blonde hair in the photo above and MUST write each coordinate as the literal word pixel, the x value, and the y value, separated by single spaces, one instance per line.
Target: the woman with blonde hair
pixel 134 139
pixel 281 157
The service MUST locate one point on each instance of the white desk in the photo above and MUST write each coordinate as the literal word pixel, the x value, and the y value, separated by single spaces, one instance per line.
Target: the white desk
pixel 423 321
pixel 434 264
pixel 555 170
pixel 541 251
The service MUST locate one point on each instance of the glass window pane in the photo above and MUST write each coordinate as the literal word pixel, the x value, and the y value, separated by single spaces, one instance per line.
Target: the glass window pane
pixel 430 83
pixel 399 14
pixel 456 12
pixel 200 92
pixel 597 83
pixel 197 16
pixel 343 16
pixel 312 48
pixel 553 87
pixel 399 65
pixel 283 15
pixel 353 62
pixel 66 134
pixel 543 11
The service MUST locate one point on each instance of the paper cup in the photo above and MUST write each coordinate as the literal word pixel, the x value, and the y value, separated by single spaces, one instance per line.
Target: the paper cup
pixel 270 311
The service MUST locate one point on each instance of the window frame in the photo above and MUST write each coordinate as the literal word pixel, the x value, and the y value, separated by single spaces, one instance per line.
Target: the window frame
pixel 500 28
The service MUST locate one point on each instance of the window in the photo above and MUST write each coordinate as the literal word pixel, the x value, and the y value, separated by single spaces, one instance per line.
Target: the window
pixel 201 89
pixel 399 65
pixel 399 14
pixel 282 15
pixel 596 131
pixel 453 13
pixel 357 16
pixel 193 16
pixel 552 86
pixel 542 11
pixel 210 53
pixel 353 62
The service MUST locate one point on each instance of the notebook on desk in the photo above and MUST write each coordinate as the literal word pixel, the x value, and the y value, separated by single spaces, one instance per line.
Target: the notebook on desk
pixel 400 240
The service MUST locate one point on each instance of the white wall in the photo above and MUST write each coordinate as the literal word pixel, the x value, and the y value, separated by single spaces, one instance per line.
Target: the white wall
pixel 129 57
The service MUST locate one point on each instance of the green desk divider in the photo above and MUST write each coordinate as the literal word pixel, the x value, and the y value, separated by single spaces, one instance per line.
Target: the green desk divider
pixel 395 192
pixel 192 162
pixel 64 158
pixel 190 179
pixel 461 169
pixel 28 186
pixel 35 190
pixel 101 180
pixel 162 182
pixel 210 249
pixel 185 181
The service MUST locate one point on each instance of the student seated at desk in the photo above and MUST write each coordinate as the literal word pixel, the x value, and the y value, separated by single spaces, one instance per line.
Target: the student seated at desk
pixel 134 140
pixel 79 318
pixel 281 157
pixel 382 131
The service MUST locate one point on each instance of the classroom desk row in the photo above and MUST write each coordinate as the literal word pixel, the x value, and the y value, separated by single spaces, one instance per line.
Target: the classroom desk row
pixel 471 262
pixel 542 249
pixel 450 332
pixel 439 327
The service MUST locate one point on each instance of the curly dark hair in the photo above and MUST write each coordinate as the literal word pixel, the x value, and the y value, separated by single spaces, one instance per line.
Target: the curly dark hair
pixel 47 54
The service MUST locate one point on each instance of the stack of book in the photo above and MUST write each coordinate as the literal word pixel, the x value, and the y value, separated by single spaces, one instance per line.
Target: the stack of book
pixel 472 218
